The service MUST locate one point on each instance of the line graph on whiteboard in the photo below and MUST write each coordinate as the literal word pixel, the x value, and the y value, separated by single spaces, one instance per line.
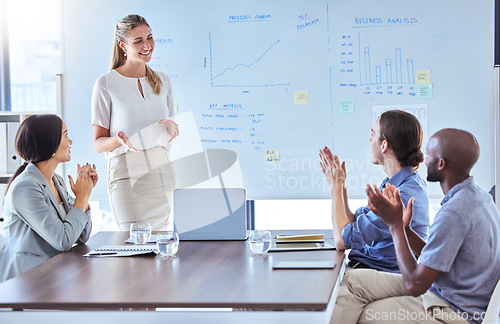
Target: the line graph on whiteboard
pixel 256 71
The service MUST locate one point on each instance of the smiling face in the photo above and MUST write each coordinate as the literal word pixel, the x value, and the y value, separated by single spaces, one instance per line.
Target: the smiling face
pixel 139 44
pixel 63 153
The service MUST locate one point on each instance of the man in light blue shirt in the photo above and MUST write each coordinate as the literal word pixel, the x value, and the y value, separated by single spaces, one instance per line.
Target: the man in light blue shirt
pixel 395 144
pixel 458 266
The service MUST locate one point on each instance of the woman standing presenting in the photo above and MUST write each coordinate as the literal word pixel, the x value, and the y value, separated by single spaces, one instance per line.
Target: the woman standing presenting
pixel 131 107
pixel 41 218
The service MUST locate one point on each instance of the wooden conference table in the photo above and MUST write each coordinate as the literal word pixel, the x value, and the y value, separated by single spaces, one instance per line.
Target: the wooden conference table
pixel 208 274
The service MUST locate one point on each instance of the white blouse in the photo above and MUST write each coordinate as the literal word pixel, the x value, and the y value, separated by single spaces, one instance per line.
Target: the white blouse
pixel 118 105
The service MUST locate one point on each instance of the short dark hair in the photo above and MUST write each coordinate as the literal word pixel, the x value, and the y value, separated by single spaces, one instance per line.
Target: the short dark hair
pixel 404 135
pixel 37 138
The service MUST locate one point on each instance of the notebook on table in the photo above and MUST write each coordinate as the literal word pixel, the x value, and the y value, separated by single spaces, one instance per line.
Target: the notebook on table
pixel 210 213
pixel 122 250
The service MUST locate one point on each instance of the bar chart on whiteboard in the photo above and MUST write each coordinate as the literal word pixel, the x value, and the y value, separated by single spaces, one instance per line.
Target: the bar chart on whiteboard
pixel 377 64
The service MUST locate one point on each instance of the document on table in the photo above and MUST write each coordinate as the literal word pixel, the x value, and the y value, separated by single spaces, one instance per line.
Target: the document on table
pixel 122 250
pixel 284 247
pixel 303 265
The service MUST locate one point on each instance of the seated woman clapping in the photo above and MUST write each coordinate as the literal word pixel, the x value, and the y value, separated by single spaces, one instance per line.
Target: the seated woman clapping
pixel 41 219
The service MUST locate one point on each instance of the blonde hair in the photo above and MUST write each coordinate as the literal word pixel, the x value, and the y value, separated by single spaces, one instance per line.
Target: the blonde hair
pixel 122 28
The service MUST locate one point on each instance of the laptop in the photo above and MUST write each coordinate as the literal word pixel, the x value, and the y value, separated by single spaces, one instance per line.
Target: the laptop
pixel 210 214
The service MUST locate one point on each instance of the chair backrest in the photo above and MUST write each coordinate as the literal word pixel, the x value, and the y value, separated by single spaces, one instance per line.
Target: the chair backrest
pixel 493 310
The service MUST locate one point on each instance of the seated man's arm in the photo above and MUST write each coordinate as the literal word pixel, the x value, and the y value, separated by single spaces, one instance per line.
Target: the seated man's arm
pixel 415 241
pixel 415 215
pixel 416 277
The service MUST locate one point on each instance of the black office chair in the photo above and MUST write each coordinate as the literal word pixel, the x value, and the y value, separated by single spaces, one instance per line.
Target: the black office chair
pixel 492 192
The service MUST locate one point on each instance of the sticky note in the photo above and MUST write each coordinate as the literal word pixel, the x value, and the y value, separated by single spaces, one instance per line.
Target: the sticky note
pixel 175 105
pixel 423 76
pixel 347 106
pixel 300 97
pixel 272 156
pixel 424 91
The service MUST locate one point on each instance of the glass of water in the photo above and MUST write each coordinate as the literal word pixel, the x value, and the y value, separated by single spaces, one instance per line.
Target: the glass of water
pixel 259 241
pixel 167 243
pixel 140 232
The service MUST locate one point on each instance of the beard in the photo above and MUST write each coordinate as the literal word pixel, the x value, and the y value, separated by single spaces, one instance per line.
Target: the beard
pixel 432 175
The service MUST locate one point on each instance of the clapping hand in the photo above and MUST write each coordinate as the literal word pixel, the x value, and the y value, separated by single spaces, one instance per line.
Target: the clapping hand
pixel 388 205
pixel 92 172
pixel 332 168
pixel 172 128
pixel 390 192
pixel 84 183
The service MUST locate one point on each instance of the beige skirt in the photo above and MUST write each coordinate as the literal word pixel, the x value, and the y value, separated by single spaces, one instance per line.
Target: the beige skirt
pixel 141 188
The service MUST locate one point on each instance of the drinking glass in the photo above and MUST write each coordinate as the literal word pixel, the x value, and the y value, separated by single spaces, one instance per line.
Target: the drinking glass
pixel 259 241
pixel 167 243
pixel 140 232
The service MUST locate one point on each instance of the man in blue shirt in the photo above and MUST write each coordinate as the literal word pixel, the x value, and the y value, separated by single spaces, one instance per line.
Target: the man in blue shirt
pixel 458 266
pixel 396 143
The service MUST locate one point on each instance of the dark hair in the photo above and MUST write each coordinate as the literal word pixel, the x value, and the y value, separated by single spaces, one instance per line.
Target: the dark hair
pixel 37 138
pixel 404 135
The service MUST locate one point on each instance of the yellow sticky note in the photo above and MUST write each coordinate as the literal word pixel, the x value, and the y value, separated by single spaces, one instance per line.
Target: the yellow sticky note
pixel 175 106
pixel 423 76
pixel 300 97
pixel 272 156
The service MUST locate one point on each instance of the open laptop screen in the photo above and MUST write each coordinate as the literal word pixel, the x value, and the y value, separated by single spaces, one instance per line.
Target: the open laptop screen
pixel 210 213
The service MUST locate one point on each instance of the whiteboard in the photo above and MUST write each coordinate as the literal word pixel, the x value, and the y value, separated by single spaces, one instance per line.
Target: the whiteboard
pixel 267 83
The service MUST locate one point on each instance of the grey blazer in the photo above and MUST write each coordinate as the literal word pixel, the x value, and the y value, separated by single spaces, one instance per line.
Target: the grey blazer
pixel 34 228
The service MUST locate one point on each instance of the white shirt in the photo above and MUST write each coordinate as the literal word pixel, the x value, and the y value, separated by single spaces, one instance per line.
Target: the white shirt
pixel 118 105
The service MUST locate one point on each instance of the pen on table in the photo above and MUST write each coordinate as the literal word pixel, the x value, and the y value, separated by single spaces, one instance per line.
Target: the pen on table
pixel 103 253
